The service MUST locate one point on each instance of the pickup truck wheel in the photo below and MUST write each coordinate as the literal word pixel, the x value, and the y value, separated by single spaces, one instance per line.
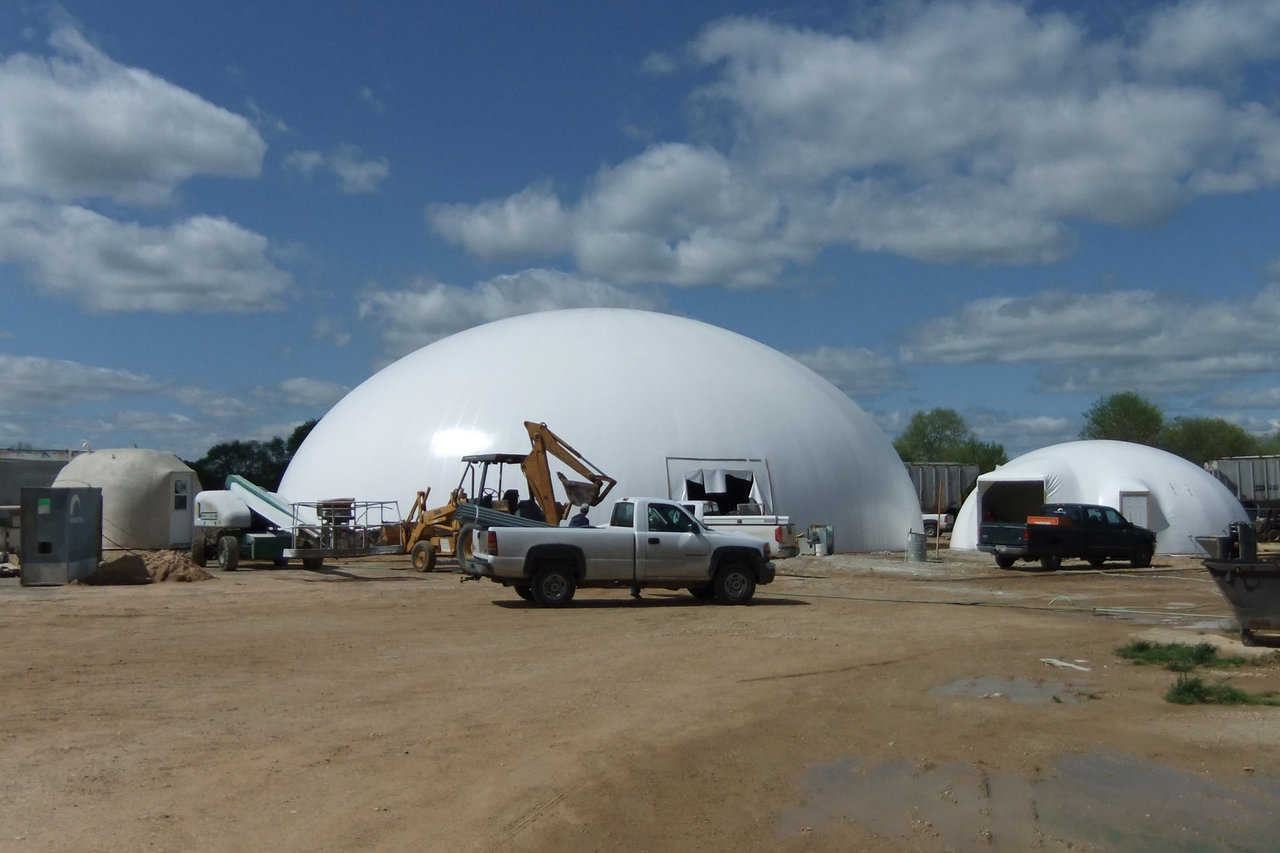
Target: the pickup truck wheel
pixel 423 556
pixel 228 553
pixel 1005 561
pixel 554 586
pixel 734 584
pixel 524 592
pixel 1141 558
pixel 703 593
pixel 1097 562
pixel 1050 564
pixel 931 529
pixel 313 564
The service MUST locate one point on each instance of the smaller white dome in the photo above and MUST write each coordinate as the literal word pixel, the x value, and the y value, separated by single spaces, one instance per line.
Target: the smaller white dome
pixel 1168 495
pixel 147 495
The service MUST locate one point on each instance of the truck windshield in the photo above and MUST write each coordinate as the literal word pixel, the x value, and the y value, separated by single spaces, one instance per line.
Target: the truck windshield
pixel 624 515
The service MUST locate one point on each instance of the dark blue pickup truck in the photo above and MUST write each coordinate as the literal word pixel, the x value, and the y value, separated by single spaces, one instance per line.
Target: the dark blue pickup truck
pixel 1060 532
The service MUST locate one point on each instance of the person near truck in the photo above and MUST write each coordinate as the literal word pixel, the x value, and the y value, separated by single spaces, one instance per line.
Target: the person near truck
pixel 580 520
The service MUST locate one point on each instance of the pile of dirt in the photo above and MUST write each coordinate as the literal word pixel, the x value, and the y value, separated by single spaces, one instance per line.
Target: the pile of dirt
pixel 146 567
pixel 174 566
pixel 123 570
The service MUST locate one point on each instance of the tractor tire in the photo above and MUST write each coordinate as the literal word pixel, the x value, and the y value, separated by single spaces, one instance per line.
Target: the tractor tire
pixel 228 553
pixel 423 556
pixel 462 548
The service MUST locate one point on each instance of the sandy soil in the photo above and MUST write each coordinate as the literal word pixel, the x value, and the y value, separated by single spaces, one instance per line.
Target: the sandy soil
pixel 860 703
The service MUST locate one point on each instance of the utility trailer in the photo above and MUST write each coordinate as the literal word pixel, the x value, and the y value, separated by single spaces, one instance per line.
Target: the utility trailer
pixel 1255 481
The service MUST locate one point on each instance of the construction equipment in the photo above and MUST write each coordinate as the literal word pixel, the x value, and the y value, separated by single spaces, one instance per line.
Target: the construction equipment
pixel 473 503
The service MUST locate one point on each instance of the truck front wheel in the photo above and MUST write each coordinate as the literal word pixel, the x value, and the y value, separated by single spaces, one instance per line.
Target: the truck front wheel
pixel 734 584
pixel 1005 561
pixel 228 553
pixel 1142 556
pixel 554 586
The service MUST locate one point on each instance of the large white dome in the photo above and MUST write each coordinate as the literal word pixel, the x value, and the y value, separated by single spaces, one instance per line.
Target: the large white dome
pixel 1154 489
pixel 629 390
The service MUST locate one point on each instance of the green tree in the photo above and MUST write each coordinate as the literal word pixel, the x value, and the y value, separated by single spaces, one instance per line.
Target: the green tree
pixel 941 435
pixel 1202 439
pixel 260 462
pixel 299 435
pixel 1126 416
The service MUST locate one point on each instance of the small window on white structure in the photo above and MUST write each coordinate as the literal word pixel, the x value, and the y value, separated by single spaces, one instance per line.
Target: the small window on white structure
pixel 179 494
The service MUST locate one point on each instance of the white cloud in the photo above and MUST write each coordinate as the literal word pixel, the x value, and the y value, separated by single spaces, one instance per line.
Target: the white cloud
pixel 374 102
pixel 36 382
pixel 1020 432
pixel 427 311
pixel 531 222
pixel 1091 342
pixel 1210 34
pixel 857 371
pixel 975 132
pixel 201 264
pixel 1248 398
pixel 356 174
pixel 659 64
pixel 301 391
pixel 326 329
pixel 210 403
pixel 77 124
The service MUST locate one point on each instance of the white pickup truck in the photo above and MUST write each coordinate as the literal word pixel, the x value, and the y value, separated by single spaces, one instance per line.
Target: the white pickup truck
pixel 649 542
pixel 777 530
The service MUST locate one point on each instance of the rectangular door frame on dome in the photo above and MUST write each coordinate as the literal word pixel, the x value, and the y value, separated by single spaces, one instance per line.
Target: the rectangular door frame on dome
pixel 1146 507
pixel 723 461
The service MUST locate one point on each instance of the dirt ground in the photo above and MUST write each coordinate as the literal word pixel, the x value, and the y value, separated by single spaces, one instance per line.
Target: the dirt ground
pixel 859 703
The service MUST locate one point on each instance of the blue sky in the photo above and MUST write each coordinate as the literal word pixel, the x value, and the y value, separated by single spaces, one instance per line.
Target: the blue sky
pixel 216 220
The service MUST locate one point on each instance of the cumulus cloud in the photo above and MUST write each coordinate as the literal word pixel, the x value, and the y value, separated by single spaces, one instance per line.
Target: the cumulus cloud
pixel 78 124
pixel 356 173
pixel 1248 398
pixel 200 264
pixel 659 64
pixel 327 330
pixel 1098 342
pixel 1210 34
pixel 373 101
pixel 427 311
pixel 973 132
pixel 857 371
pixel 28 381
pixel 302 391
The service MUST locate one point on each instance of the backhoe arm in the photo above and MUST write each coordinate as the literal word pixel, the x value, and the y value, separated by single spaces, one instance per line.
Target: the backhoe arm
pixel 537 472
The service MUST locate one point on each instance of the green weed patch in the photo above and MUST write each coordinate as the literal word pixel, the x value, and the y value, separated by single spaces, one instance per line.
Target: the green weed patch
pixel 1190 690
pixel 1176 657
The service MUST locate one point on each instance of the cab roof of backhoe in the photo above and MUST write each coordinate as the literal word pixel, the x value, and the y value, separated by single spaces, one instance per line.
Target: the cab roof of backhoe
pixel 504 458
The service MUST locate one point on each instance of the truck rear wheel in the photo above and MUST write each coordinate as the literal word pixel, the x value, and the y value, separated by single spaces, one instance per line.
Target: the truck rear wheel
pixel 313 564
pixel 1050 564
pixel 734 584
pixel 524 592
pixel 423 556
pixel 554 586
pixel 1097 562
pixel 1005 561
pixel 228 553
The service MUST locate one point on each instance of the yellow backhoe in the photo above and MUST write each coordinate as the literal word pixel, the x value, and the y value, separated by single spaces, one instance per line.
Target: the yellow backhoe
pixel 446 530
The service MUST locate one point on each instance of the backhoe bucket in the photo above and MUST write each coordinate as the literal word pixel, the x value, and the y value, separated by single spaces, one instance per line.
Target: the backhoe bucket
pixel 579 493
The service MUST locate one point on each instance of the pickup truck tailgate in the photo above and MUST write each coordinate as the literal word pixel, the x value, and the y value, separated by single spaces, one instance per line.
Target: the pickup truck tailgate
pixel 993 533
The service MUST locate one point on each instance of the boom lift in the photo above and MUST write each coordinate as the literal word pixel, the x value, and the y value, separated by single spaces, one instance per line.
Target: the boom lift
pixel 447 529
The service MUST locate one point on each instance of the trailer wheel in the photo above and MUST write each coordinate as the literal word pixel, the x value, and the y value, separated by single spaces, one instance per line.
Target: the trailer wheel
pixel 554 586
pixel 198 556
pixel 734 584
pixel 1142 557
pixel 228 553
pixel 1005 561
pixel 313 564
pixel 1050 564
pixel 423 556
